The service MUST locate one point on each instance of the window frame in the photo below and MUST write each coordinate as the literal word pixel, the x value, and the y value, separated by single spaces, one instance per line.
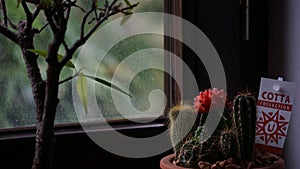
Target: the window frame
pixel 173 7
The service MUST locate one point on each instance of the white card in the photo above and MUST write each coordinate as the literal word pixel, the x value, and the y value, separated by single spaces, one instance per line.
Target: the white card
pixel 274 107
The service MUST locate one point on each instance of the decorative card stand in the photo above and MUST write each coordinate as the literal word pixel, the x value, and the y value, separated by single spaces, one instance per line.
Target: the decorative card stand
pixel 274 107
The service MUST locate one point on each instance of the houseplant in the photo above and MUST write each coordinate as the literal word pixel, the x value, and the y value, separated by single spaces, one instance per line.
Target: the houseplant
pixel 56 14
pixel 231 145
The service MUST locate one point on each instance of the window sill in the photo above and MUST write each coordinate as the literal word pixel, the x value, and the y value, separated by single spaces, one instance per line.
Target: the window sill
pixel 76 128
pixel 74 149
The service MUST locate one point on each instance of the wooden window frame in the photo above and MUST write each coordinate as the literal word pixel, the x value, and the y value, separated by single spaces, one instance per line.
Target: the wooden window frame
pixel 173 7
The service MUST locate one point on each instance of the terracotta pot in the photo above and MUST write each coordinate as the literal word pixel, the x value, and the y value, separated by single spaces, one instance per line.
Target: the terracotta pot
pixel 166 163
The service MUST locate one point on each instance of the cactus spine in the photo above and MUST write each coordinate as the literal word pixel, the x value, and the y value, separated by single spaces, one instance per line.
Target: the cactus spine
pixel 189 153
pixel 244 113
pixel 197 149
pixel 232 139
pixel 228 144
pixel 180 127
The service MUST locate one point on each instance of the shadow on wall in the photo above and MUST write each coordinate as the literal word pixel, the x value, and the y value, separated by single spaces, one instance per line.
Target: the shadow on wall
pixel 284 60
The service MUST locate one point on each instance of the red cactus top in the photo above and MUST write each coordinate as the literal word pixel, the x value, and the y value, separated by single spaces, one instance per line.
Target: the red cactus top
pixel 211 97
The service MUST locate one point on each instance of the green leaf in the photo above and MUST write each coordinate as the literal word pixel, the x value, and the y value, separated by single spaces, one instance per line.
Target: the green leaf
pixel 18 3
pixel 96 3
pixel 46 3
pixel 107 83
pixel 128 13
pixel 127 2
pixel 44 53
pixel 68 64
pixel 82 90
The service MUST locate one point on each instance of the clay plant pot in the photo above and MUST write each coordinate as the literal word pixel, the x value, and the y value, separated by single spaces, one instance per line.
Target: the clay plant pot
pixel 166 163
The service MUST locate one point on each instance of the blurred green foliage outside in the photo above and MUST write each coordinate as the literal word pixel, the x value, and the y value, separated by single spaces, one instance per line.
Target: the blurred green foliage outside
pixel 16 101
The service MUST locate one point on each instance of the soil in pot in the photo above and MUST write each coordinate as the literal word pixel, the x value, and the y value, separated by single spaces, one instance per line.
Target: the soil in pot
pixel 263 160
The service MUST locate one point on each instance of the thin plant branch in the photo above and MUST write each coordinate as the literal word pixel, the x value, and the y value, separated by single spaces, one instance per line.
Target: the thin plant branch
pixel 113 12
pixel 44 27
pixel 84 37
pixel 112 5
pixel 27 11
pixel 92 20
pixel 36 2
pixel 65 45
pixel 9 34
pixel 69 78
pixel 84 22
pixel 95 11
pixel 106 6
pixel 11 24
pixel 5 20
pixel 77 6
pixel 50 21
pixel 36 13
pixel 4 12
pixel 78 72
pixel 68 13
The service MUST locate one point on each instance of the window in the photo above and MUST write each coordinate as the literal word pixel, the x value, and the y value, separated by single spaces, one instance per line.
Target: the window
pixel 16 101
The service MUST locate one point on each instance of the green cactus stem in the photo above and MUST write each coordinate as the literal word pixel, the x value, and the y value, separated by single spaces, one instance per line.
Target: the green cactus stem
pixel 244 113
pixel 228 144
pixel 198 149
pixel 189 153
pixel 180 126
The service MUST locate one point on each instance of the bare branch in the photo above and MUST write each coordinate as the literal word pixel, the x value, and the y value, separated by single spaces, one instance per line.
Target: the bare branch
pixel 69 78
pixel 27 11
pixel 56 19
pixel 6 21
pixel 33 1
pixel 30 17
pixel 79 7
pixel 84 21
pixel 36 13
pixel 14 26
pixel 84 37
pixel 105 17
pixel 39 31
pixel 65 45
pixel 50 20
pixel 8 33
pixel 68 13
pixel 4 12
pixel 112 5
pixel 94 6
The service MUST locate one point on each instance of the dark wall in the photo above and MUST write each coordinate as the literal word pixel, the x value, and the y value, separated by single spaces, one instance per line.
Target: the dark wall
pixel 223 22
pixel 74 149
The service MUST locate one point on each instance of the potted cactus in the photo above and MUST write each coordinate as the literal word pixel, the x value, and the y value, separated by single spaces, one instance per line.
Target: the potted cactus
pixel 230 146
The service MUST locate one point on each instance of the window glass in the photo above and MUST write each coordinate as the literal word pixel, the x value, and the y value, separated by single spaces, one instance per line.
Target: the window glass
pixel 16 100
